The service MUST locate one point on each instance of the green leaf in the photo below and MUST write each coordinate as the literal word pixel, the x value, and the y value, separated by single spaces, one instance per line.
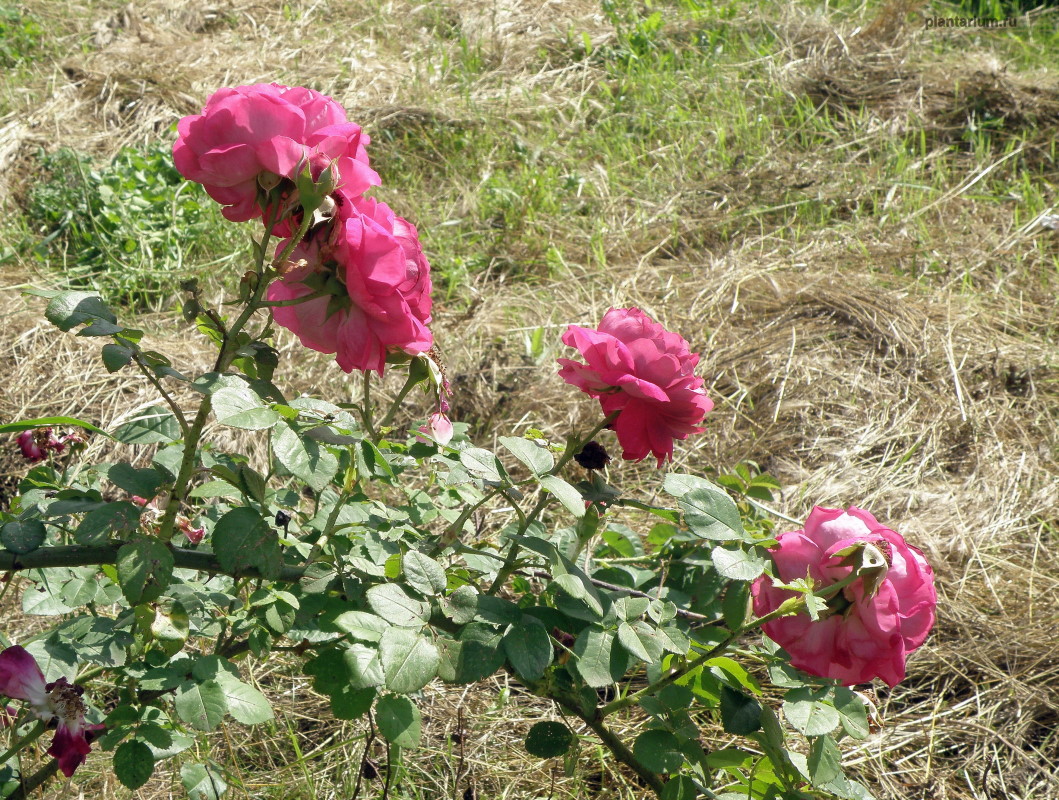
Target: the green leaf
pixel 69 309
pixel 170 629
pixel 242 408
pixel 673 640
pixel 825 761
pixel 529 650
pixel 133 764
pixel 116 357
pixel 680 787
pixel 739 564
pixel 363 666
pixel 200 705
pixel 390 602
pixel 202 782
pixel 565 493
pixel 730 671
pixel 303 458
pixel 423 573
pixel 113 518
pixel 475 656
pixel 549 739
pixel 461 605
pixel 140 482
pixel 595 657
pixel 23 537
pixel 409 660
pixel 712 514
pixel 151 425
pixel 658 750
pixel 740 715
pixel 481 463
pixel 359 624
pixel 245 703
pixel 537 458
pixel 399 720
pixel 244 542
pixel 40 422
pixel 809 716
pixel 639 639
pixel 145 569
pixel 351 703
pixel 853 712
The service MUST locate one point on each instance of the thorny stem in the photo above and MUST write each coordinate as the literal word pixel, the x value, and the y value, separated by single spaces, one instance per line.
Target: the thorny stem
pixel 409 384
pixel 224 360
pixel 612 742
pixel 28 786
pixel 789 607
pixel 82 556
pixel 572 449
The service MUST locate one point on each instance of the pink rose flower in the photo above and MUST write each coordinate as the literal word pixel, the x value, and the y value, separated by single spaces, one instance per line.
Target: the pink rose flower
pixel 376 284
pixel 250 132
pixel 637 367
pixel 868 630
pixel 22 679
pixel 438 428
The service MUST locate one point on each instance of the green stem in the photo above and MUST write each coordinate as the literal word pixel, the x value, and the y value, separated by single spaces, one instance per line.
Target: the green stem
pixel 572 449
pixel 82 556
pixel 787 608
pixel 224 360
pixel 409 384
pixel 613 743
pixel 34 734
pixel 365 411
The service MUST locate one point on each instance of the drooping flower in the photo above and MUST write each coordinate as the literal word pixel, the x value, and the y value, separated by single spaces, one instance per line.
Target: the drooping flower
pixel 248 138
pixel 638 368
pixel 438 428
pixel 22 679
pixel 37 444
pixel 373 282
pixel 871 625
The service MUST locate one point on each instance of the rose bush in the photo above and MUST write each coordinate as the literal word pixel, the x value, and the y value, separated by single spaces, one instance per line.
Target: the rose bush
pixel 870 626
pixel 387 556
pixel 639 369
pixel 247 133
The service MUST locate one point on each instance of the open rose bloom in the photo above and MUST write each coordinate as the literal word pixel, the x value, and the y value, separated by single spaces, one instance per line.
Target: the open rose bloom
pixel 249 138
pixel 22 679
pixel 638 368
pixel 358 284
pixel 868 629
pixel 374 282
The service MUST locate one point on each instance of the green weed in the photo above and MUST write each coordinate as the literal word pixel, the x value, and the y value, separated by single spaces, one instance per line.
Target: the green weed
pixel 131 229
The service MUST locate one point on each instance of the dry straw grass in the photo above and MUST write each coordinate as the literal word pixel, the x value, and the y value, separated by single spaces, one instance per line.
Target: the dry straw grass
pixel 832 366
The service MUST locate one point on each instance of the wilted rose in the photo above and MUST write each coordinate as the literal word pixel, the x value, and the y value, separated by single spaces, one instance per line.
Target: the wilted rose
pixel 871 625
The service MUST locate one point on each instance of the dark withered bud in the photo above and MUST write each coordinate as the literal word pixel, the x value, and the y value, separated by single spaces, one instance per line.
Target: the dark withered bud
pixel 592 456
pixel 368 769
pixel 470 794
pixel 282 519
